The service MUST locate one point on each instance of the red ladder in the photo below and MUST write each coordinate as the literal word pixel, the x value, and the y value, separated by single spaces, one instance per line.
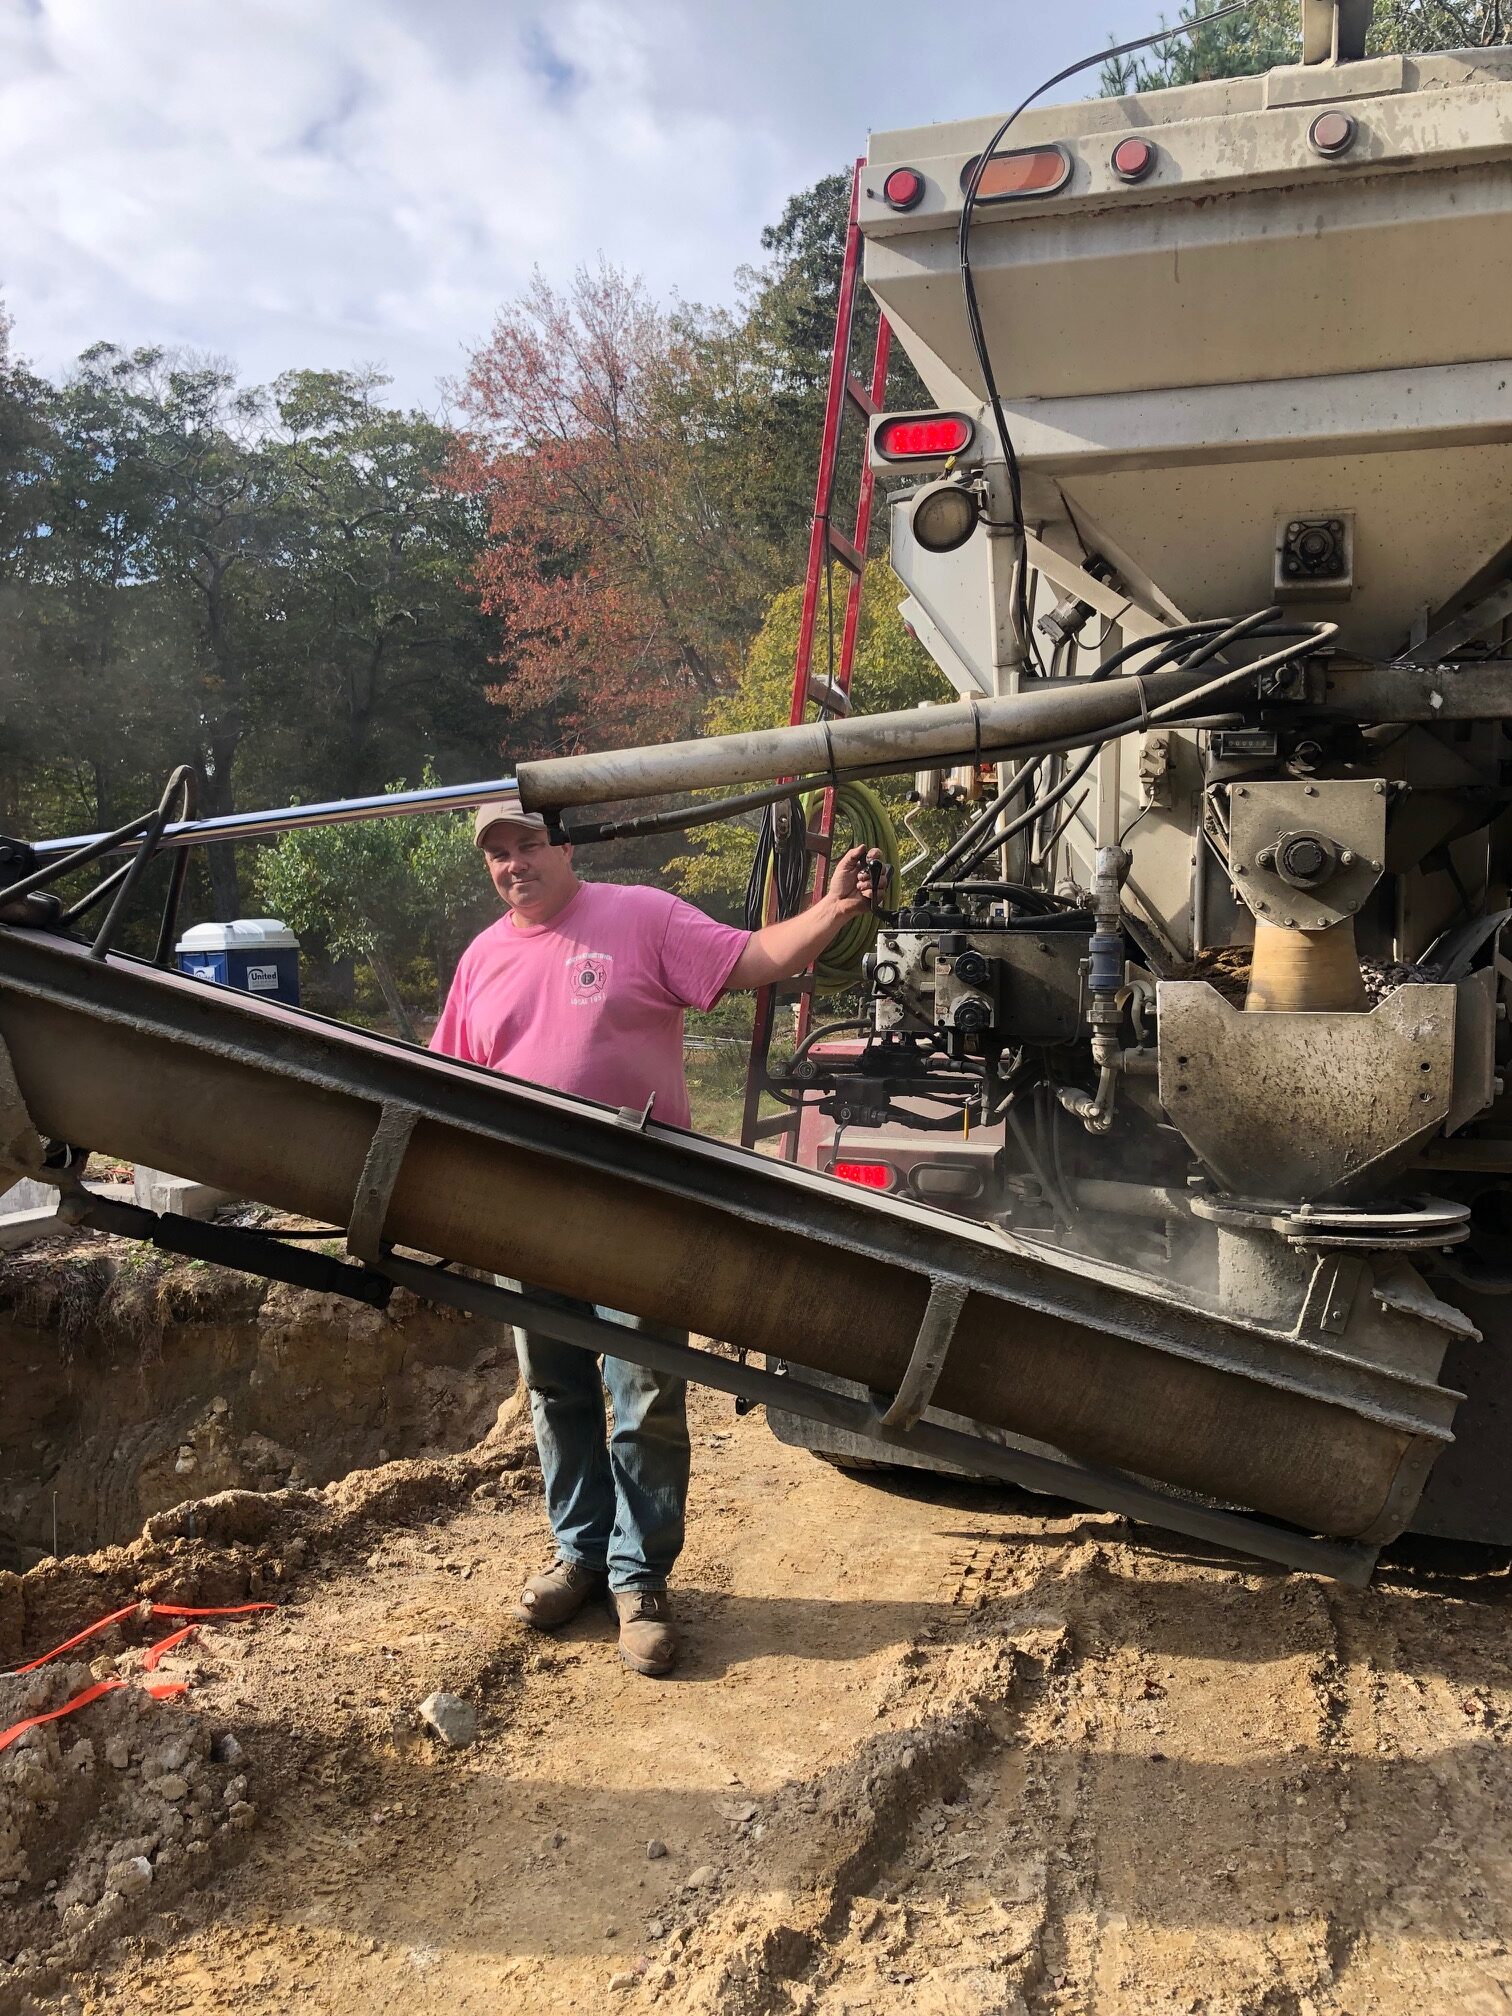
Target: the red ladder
pixel 829 696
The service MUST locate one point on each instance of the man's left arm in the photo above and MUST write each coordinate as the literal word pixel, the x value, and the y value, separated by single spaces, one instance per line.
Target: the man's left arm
pixel 781 950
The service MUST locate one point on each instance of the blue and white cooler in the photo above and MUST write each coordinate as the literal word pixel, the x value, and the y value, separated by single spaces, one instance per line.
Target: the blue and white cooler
pixel 257 954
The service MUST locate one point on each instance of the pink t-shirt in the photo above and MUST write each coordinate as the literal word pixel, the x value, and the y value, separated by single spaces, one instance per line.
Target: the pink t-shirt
pixel 592 1002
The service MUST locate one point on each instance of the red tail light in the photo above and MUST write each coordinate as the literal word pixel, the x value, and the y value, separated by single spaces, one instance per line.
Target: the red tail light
pixel 1333 133
pixel 910 437
pixel 1134 159
pixel 903 189
pixel 1028 171
pixel 870 1175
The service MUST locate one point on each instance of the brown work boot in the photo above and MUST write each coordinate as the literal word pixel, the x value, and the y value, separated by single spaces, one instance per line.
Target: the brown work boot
pixel 557 1594
pixel 648 1637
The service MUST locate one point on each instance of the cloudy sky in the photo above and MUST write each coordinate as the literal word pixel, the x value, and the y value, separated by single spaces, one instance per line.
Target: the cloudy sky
pixel 329 182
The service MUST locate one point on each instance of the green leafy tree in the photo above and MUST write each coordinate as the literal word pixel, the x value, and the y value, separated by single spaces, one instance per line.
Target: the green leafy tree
pixel 384 892
pixel 892 670
pixel 351 885
pixel 164 531
pixel 378 633
pixel 790 306
pixel 96 692
pixel 455 896
pixel 1269 33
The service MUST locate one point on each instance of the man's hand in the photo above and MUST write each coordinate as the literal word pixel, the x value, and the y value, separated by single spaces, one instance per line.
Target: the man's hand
pixel 778 951
pixel 856 883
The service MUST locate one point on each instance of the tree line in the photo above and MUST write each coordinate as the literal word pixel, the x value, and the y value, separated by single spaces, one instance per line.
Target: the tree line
pixel 307 591
pixel 1269 33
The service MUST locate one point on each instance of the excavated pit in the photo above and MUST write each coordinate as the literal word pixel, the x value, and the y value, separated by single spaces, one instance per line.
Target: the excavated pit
pixel 134 1382
pixel 202 1439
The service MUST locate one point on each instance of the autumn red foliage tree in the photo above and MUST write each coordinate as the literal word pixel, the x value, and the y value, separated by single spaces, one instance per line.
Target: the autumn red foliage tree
pixel 569 445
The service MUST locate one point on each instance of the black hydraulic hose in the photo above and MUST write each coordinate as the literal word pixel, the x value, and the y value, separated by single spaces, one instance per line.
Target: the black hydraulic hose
pixel 1178 634
pixel 1039 900
pixel 1317 635
pixel 819 1035
pixel 1203 639
pixel 785 860
pixel 929 1123
pixel 1168 643
pixel 1068 783
pixel 1032 812
pixel 981 822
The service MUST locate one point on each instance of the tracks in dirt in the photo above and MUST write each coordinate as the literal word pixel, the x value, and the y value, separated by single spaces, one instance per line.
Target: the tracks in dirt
pixel 930 1751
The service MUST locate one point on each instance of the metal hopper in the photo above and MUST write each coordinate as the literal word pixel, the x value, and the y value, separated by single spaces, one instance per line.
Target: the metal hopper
pixel 1254 343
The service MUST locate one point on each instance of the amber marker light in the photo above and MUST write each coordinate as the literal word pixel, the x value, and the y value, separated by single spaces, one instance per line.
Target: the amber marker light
pixel 1028 171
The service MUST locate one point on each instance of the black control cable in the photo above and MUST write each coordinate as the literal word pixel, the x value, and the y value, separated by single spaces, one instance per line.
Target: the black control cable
pixel 1022 614
pixel 1307 638
pixel 1170 644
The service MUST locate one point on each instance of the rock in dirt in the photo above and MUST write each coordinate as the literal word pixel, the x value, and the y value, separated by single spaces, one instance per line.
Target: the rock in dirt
pixel 170 1786
pixel 700 1877
pixel 656 1851
pixel 131 1876
pixel 452 1719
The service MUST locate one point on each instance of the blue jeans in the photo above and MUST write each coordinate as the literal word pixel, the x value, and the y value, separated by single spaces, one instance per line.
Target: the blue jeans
pixel 617 1501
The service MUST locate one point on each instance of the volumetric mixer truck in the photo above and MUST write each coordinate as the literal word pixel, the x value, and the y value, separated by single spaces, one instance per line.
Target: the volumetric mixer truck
pixel 1210 526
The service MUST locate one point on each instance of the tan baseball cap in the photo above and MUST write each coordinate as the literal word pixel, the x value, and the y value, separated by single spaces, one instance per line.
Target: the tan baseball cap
pixel 503 812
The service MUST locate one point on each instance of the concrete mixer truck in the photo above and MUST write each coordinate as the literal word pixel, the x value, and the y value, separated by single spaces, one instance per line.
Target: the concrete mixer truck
pixel 1209 524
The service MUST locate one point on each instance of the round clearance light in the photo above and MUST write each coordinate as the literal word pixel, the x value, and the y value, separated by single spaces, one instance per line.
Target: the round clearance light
pixel 1133 160
pixel 908 437
pixel 1332 133
pixel 944 516
pixel 903 189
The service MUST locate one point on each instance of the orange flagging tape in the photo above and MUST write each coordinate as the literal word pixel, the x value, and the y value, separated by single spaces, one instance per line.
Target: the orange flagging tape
pixel 160 1690
pixel 131 1610
pixel 89 1631
pixel 155 1652
pixel 8 1736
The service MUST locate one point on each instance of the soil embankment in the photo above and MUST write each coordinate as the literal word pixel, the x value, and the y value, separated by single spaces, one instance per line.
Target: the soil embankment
pixel 932 1749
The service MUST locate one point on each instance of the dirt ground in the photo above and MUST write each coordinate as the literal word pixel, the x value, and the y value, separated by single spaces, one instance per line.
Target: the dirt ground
pixel 932 1748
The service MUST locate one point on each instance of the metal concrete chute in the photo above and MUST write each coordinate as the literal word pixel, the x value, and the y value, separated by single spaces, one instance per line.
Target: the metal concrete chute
pixel 1251 337
pixel 1146 1399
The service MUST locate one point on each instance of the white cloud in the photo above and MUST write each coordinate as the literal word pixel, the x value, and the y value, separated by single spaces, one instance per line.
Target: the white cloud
pixel 337 181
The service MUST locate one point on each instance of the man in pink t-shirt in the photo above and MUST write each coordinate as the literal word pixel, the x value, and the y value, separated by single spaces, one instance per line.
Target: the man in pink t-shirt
pixel 582 987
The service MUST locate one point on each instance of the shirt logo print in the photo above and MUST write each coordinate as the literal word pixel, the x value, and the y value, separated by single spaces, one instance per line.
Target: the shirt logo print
pixel 588 977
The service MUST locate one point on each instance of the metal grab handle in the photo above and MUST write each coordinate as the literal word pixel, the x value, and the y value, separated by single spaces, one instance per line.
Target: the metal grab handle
pixel 375 1186
pixel 931 1348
